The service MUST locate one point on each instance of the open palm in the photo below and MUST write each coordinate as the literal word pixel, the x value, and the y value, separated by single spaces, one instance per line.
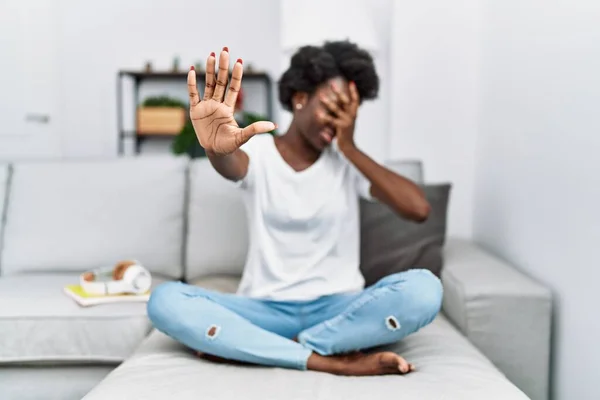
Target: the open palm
pixel 212 117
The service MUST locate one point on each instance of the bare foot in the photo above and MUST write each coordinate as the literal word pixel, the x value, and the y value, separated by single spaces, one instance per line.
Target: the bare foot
pixel 354 364
pixel 360 364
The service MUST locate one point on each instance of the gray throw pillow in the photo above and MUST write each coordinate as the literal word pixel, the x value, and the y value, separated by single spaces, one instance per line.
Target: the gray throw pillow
pixel 391 244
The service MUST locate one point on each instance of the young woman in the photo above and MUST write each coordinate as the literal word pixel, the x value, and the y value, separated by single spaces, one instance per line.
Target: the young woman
pixel 301 302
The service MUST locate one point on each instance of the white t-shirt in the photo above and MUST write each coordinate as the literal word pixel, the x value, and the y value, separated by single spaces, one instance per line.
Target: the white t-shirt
pixel 304 226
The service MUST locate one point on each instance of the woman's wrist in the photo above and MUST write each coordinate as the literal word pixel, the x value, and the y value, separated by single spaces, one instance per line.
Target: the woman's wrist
pixel 347 147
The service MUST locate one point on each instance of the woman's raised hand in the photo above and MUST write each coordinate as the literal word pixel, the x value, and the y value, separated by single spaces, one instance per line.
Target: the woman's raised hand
pixel 213 116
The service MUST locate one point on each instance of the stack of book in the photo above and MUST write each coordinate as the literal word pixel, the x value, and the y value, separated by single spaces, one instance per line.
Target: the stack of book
pixel 85 299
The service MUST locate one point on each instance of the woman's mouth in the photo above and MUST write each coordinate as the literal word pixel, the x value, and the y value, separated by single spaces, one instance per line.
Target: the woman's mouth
pixel 327 134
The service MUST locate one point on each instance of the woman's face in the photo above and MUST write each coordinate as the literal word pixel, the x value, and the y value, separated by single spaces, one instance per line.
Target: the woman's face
pixel 312 124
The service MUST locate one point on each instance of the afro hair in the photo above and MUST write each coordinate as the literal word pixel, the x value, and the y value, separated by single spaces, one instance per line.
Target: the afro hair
pixel 311 66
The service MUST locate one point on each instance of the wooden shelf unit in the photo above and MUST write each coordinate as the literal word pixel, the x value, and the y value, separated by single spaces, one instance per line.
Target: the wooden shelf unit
pixel 177 78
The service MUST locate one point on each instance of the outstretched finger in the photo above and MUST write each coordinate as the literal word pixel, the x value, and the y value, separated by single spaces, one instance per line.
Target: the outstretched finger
pixel 222 75
pixel 209 87
pixel 331 104
pixel 255 129
pixel 235 85
pixel 344 100
pixel 327 119
pixel 192 88
pixel 354 96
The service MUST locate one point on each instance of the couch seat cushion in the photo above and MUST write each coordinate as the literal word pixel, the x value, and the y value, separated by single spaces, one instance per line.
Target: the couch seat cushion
pixel 220 283
pixel 39 323
pixel 448 367
pixel 57 382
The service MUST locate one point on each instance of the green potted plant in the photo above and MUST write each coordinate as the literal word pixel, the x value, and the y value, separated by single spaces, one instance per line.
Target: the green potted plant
pixel 186 142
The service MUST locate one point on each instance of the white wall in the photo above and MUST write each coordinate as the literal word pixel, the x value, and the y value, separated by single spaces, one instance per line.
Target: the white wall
pixel 435 52
pixel 29 77
pixel 537 192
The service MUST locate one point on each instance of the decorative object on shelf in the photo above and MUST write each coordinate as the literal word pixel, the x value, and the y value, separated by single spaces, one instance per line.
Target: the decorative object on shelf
pixel 175 64
pixel 161 115
pixel 148 67
pixel 250 68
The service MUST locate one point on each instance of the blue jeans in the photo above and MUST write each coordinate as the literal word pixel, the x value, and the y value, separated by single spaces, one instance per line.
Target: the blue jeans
pixel 261 331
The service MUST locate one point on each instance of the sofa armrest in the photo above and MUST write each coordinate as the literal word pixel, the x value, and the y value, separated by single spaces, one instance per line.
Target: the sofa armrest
pixel 505 314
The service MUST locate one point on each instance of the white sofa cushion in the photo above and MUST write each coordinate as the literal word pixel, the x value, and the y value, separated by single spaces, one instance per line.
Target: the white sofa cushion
pixel 77 215
pixel 218 283
pixel 64 382
pixel 217 240
pixel 40 324
pixel 505 313
pixel 448 367
pixel 410 169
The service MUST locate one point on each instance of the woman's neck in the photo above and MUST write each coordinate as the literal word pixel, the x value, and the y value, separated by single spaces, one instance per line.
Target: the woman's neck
pixel 294 142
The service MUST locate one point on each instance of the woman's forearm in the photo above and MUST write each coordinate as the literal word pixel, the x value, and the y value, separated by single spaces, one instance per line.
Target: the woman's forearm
pixel 232 166
pixel 399 193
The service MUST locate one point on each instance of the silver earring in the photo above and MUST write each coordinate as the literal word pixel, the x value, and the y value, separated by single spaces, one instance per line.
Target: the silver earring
pixel 298 106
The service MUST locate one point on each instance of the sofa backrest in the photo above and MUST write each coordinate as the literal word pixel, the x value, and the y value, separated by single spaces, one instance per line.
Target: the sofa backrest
pixel 72 216
pixel 217 233
pixel 411 169
pixel 179 218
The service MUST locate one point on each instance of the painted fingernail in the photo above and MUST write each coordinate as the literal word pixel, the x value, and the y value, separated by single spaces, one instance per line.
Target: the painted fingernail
pixel 192 68
pixel 240 61
pixel 226 49
pixel 212 53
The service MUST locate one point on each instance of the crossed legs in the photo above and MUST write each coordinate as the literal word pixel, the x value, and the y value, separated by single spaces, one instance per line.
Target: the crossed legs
pixel 331 331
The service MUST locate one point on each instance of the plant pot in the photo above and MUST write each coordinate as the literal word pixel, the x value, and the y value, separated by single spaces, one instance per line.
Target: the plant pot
pixel 160 120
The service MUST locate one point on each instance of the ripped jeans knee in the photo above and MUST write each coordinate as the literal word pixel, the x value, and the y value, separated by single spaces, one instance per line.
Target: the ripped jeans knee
pixel 212 332
pixel 392 323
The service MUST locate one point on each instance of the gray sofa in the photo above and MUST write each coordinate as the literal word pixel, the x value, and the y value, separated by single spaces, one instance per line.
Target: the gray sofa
pixel 183 221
